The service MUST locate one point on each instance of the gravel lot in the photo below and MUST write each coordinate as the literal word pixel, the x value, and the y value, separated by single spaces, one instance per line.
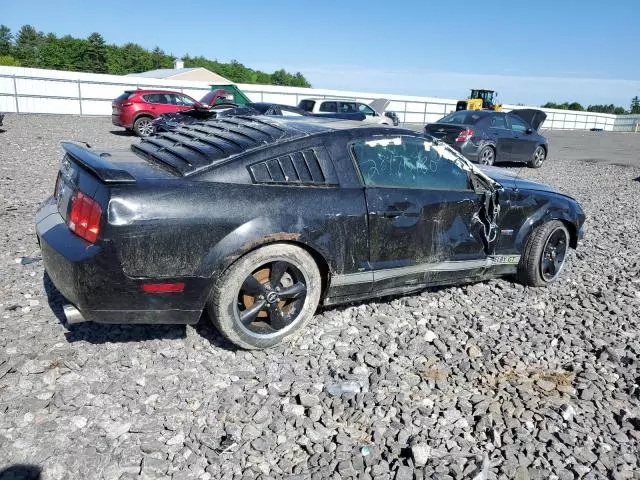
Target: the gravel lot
pixel 490 380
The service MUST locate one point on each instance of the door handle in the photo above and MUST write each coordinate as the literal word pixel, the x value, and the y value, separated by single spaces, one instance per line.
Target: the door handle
pixel 391 214
pixel 407 210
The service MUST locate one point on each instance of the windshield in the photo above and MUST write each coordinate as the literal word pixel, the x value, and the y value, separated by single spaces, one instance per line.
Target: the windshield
pixel 464 117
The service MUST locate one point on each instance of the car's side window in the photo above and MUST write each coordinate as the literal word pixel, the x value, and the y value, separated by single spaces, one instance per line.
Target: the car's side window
pixel 307 105
pixel 162 98
pixel 311 166
pixel 348 107
pixel 329 107
pixel 497 121
pixel 183 100
pixel 411 162
pixel 517 125
pixel 366 109
pixel 152 98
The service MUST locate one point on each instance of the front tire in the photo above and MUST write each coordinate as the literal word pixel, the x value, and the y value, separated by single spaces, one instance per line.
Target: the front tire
pixel 544 254
pixel 266 297
pixel 539 156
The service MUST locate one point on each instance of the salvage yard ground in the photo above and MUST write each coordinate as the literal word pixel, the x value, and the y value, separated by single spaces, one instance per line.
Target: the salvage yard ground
pixel 518 383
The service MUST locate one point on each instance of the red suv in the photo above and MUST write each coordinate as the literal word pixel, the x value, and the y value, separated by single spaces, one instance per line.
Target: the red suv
pixel 136 109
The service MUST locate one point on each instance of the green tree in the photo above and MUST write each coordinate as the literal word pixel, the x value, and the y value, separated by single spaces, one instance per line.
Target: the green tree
pixel 32 48
pixel 564 106
pixel 130 58
pixel 6 41
pixel 611 108
pixel 159 59
pixel 66 53
pixel 27 46
pixel 300 81
pixel 280 77
pixel 635 105
pixel 9 61
pixel 95 54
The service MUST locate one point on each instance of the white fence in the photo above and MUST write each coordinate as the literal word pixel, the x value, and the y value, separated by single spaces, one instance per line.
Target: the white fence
pixel 627 123
pixel 29 90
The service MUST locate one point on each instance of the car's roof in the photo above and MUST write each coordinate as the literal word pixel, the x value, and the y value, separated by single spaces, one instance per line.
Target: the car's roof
pixel 279 105
pixel 146 90
pixel 192 148
pixel 332 100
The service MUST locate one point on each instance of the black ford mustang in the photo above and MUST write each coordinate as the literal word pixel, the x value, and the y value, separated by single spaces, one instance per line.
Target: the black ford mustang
pixel 259 220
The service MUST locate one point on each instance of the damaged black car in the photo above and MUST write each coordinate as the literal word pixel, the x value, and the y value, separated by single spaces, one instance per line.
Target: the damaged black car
pixel 259 220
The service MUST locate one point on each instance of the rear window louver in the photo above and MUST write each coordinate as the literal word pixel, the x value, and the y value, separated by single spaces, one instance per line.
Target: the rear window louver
pixel 191 148
pixel 308 167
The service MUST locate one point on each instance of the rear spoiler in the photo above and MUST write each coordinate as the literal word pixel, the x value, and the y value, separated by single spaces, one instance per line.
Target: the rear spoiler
pixel 96 164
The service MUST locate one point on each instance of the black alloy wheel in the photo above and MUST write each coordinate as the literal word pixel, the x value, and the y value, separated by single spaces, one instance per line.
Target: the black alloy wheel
pixel 271 298
pixel 554 254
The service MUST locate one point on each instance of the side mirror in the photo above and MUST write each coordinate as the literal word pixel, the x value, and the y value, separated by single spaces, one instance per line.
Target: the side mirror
pixel 529 131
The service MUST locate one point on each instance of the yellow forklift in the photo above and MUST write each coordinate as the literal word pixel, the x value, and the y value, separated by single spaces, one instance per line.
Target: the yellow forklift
pixel 480 99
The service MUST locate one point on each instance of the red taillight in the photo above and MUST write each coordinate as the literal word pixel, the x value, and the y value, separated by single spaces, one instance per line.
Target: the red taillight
pixel 464 135
pixel 126 104
pixel 163 287
pixel 84 219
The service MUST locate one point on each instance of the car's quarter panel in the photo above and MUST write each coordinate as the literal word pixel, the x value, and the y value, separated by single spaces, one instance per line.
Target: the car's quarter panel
pixel 200 228
pixel 91 277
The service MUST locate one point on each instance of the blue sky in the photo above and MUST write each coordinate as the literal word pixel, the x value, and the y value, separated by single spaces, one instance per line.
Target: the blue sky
pixel 530 51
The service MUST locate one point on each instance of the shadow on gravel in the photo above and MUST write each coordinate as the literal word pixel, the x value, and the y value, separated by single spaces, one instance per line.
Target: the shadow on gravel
pixel 510 165
pixel 637 179
pixel 21 472
pixel 206 330
pixel 105 333
pixel 122 133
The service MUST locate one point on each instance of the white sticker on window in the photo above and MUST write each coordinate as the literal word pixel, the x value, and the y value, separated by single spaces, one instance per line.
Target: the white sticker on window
pixel 385 142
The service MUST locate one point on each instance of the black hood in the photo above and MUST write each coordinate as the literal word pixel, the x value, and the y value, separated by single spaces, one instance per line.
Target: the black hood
pixel 531 116
pixel 510 180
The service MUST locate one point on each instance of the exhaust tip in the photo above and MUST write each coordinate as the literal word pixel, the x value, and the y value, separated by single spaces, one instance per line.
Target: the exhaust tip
pixel 73 315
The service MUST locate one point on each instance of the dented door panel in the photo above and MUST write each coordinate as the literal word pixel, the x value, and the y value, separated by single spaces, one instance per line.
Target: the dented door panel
pixel 411 227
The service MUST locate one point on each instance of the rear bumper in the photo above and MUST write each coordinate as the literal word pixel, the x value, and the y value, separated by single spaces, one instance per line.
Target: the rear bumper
pixel 91 278
pixel 468 149
pixel 117 121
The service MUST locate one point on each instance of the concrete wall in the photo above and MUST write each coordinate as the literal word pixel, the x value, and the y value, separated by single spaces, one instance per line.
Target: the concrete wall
pixel 30 90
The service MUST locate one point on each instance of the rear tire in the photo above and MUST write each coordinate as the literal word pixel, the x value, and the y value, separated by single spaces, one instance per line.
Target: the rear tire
pixel 544 254
pixel 538 158
pixel 487 156
pixel 248 304
pixel 142 126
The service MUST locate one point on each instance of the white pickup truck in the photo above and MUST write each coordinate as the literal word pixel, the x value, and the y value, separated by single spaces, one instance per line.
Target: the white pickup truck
pixel 346 106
